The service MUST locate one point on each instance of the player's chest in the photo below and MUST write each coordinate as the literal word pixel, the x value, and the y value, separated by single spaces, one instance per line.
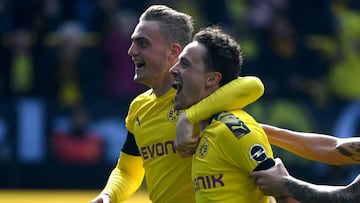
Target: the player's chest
pixel 155 123
pixel 207 154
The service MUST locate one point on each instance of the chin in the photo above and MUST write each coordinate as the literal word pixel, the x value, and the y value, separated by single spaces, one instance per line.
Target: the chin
pixel 139 80
pixel 136 78
pixel 178 106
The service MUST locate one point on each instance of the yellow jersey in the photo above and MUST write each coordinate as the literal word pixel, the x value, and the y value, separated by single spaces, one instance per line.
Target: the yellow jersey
pixel 230 147
pixel 152 121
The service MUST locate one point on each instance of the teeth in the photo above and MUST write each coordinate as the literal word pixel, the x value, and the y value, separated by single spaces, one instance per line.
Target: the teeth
pixel 138 63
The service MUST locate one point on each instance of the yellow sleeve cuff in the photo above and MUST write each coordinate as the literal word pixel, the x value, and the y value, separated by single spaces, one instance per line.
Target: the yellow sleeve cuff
pixel 125 178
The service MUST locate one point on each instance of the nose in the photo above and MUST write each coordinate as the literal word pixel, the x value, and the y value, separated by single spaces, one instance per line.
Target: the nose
pixel 173 70
pixel 132 50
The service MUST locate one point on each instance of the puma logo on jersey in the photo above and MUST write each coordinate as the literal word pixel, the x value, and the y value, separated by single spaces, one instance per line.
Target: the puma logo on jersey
pixel 237 127
pixel 138 121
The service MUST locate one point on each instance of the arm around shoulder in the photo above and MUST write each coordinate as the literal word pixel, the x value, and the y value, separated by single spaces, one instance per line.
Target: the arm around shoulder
pixel 234 95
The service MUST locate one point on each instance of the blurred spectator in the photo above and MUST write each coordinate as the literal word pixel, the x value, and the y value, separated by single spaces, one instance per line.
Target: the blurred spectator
pixel 84 12
pixel 19 62
pixel 120 68
pixel 5 16
pixel 215 12
pixel 345 72
pixel 78 145
pixel 49 17
pixel 72 66
pixel 105 16
pixel 5 148
pixel 289 66
pixel 71 37
pixel 309 77
pixel 5 26
pixel 276 42
pixel 343 53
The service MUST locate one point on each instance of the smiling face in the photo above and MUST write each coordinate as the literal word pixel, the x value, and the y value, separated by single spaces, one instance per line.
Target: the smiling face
pixel 191 79
pixel 152 54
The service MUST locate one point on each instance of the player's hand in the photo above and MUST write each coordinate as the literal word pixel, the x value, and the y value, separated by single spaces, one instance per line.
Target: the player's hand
pixel 272 181
pixel 185 142
pixel 101 198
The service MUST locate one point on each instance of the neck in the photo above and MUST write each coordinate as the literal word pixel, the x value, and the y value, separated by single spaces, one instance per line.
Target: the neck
pixel 162 87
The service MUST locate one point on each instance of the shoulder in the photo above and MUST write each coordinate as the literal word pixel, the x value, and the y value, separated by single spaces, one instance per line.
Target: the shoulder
pixel 142 98
pixel 234 122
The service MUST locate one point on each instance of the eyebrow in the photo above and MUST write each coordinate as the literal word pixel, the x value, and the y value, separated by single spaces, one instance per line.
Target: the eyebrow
pixel 139 38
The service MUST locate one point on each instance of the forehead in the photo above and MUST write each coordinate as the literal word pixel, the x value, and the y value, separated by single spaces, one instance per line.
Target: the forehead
pixel 149 30
pixel 194 52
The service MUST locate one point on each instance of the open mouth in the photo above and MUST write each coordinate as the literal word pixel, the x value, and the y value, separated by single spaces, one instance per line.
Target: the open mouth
pixel 139 63
pixel 177 86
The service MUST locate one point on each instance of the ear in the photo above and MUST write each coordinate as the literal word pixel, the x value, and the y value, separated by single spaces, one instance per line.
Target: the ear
pixel 175 50
pixel 213 78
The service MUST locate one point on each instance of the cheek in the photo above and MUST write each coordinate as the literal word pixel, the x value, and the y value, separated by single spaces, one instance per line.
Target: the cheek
pixel 157 61
pixel 194 87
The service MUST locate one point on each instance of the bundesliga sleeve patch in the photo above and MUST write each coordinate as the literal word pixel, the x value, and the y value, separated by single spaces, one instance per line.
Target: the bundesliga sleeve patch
pixel 237 127
pixel 258 153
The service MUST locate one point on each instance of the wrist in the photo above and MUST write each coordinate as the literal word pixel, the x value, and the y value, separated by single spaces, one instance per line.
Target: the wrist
pixel 106 194
pixel 183 118
pixel 292 186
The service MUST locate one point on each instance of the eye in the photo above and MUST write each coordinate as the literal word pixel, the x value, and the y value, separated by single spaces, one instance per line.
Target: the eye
pixel 142 43
pixel 184 63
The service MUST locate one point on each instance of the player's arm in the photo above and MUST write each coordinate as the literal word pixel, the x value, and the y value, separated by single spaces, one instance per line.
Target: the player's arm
pixel 276 181
pixel 311 193
pixel 318 147
pixel 127 176
pixel 234 95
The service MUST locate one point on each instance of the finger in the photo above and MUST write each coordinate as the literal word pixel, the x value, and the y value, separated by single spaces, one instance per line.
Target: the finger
pixel 277 160
pixel 196 136
pixel 185 153
pixel 94 200
pixel 264 190
pixel 280 166
pixel 186 147
pixel 254 175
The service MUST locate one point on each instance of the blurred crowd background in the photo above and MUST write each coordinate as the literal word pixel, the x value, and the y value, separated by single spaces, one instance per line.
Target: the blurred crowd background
pixel 66 80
